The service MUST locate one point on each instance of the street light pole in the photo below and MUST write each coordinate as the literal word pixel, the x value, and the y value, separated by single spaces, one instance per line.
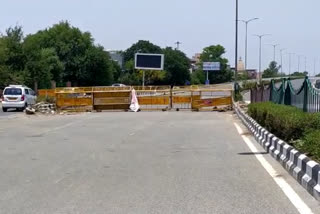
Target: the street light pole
pixel 178 45
pixel 274 51
pixel 299 57
pixel 314 66
pixel 260 51
pixel 305 63
pixel 236 45
pixel 281 50
pixel 290 54
pixel 246 42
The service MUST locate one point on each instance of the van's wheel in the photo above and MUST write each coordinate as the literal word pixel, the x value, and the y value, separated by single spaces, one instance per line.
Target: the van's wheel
pixel 4 109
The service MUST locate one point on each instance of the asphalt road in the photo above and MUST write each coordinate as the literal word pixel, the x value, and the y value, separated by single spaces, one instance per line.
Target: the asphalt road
pixel 10 113
pixel 147 162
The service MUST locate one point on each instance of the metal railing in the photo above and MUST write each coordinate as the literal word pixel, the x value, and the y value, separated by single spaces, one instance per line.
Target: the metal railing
pixel 306 97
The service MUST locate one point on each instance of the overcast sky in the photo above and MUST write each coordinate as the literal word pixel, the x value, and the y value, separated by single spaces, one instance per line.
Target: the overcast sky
pixel 116 24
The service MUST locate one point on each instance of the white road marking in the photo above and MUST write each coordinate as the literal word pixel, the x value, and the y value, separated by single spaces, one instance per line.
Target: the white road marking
pixel 285 187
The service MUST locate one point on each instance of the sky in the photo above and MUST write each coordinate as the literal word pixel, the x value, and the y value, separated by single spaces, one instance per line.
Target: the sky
pixel 117 24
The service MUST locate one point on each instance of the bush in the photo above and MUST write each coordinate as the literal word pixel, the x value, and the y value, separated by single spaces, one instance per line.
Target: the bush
pixel 237 97
pixel 286 122
pixel 310 144
pixel 247 85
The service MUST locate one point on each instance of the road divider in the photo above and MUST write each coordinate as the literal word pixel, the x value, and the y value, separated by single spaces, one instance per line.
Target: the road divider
pixel 302 168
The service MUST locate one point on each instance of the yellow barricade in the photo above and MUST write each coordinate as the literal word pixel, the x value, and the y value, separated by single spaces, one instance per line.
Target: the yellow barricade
pixel 197 97
pixel 154 97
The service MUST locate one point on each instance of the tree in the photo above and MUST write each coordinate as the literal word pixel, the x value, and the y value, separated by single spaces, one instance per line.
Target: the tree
pixel 299 74
pixel 98 68
pixel 151 77
pixel 12 58
pixel 42 67
pixel 141 46
pixel 82 61
pixel 176 65
pixel 117 72
pixel 272 71
pixel 215 53
pixel 198 77
pixel 130 78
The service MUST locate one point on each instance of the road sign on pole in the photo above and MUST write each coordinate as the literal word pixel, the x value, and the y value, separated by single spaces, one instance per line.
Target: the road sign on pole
pixel 211 66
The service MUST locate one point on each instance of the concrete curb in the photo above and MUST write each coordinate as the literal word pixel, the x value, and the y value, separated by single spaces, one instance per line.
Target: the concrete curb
pixel 302 168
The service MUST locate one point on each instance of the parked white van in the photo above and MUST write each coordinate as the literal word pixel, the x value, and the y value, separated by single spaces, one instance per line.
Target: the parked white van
pixel 18 97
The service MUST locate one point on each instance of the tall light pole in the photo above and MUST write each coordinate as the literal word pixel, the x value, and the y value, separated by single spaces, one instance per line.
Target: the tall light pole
pixel 290 54
pixel 236 45
pixel 260 50
pixel 305 63
pixel 246 43
pixel 178 45
pixel 314 66
pixel 274 51
pixel 281 66
pixel 299 57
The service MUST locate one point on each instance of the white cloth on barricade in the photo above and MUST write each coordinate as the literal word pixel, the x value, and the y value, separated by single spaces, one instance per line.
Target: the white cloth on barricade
pixel 134 101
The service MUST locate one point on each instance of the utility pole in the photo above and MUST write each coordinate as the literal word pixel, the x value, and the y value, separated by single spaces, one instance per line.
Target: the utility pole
pixel 236 46
pixel 246 42
pixel 299 62
pixel 305 63
pixel 290 54
pixel 274 51
pixel 281 50
pixel 260 51
pixel 178 45
pixel 314 66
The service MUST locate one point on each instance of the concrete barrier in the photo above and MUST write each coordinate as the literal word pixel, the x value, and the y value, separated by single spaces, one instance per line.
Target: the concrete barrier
pixel 302 168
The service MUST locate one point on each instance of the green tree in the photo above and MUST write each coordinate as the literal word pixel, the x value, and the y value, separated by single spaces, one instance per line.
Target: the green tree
pixel 12 58
pixel 141 46
pixel 272 71
pixel 83 62
pixel 198 77
pixel 117 72
pixel 42 67
pixel 215 53
pixel 151 77
pixel 98 68
pixel 176 65
pixel 130 78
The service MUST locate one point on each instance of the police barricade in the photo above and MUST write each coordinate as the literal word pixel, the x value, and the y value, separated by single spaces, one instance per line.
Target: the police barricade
pixel 111 98
pixel 154 97
pixel 182 97
pixel 149 98
pixel 74 99
pixel 47 93
pixel 210 98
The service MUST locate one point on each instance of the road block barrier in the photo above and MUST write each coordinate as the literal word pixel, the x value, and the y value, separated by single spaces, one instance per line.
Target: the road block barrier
pixel 149 97
pixel 47 93
pixel 153 97
pixel 74 99
pixel 111 98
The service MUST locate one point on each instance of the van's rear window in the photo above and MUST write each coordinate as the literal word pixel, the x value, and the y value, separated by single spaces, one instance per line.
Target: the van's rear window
pixel 13 91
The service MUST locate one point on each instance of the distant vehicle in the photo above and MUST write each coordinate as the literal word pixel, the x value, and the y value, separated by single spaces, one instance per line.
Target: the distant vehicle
pixel 18 97
pixel 118 85
pixel 317 85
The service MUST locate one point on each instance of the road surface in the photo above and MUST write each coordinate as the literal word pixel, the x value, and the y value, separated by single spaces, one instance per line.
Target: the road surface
pixel 10 113
pixel 147 162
